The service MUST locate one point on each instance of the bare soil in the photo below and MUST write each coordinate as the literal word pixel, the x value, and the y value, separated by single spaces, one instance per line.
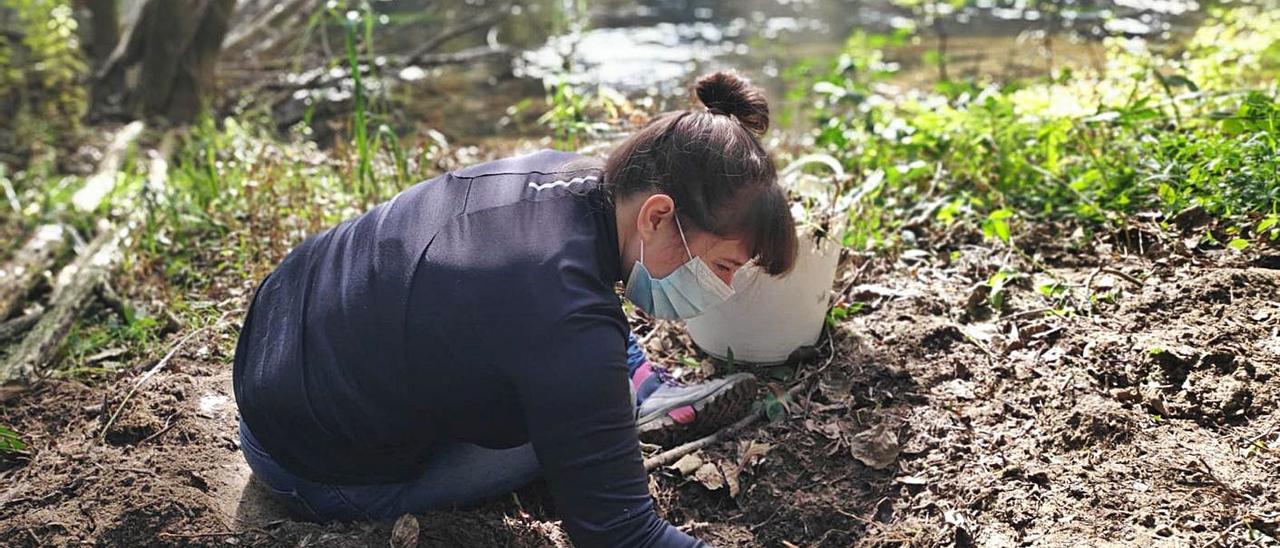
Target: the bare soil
pixel 1146 418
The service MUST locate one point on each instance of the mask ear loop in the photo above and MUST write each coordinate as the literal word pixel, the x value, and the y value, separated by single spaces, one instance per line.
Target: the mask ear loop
pixel 686 242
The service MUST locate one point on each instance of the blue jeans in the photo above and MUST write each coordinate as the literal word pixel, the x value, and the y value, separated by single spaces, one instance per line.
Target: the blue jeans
pixel 459 474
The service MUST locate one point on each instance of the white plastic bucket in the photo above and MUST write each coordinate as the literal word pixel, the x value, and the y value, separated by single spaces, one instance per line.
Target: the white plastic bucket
pixel 768 318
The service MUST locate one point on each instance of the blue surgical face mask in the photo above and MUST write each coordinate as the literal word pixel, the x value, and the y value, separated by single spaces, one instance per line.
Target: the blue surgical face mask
pixel 687 292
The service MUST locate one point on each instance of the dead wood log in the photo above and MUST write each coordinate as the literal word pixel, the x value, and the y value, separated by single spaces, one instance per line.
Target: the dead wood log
pixel 10 329
pixel 275 18
pixel 32 259
pixel 39 346
pixel 433 43
pixel 103 180
pixel 84 277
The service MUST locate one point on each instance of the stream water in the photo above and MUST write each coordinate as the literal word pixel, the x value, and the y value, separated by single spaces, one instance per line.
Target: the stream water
pixel 653 48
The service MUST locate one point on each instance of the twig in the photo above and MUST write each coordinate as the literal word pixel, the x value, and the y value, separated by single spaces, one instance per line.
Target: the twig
pixel 1225 532
pixel 1232 491
pixel 674 454
pixel 156 369
pixel 433 43
pixel 1025 313
pixel 173 421
pixel 1123 276
pixel 857 275
pixel 200 535
pixel 831 357
pixel 1088 284
pixel 9 193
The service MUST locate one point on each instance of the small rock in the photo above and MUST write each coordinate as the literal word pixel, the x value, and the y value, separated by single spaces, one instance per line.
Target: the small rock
pixel 405 532
pixel 1126 395
pixel 1155 402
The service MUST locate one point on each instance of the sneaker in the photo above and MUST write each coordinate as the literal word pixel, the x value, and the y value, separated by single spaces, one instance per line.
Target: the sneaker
pixel 675 413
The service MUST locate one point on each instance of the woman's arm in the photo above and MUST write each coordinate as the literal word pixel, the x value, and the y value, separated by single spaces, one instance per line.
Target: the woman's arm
pixel 581 420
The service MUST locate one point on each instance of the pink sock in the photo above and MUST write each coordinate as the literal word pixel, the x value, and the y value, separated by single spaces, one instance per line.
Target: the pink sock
pixel 682 415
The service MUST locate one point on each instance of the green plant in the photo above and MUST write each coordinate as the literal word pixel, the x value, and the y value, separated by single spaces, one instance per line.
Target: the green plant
pixel 350 21
pixel 997 225
pixel 998 283
pixel 41 75
pixel 573 113
pixel 1148 132
pixel 933 14
pixel 10 441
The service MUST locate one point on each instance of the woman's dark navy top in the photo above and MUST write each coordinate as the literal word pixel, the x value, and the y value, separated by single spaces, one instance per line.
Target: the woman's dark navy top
pixel 478 306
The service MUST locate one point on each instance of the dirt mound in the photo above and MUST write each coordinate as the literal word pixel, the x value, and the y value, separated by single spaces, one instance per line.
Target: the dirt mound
pixel 1147 419
pixel 168 472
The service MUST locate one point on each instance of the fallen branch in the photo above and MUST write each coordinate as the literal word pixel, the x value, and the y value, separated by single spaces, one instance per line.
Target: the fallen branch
pixel 77 282
pixel 12 328
pixel 324 78
pixel 98 185
pixel 112 300
pixel 273 18
pixel 1026 313
pixel 89 271
pixel 433 43
pixel 23 272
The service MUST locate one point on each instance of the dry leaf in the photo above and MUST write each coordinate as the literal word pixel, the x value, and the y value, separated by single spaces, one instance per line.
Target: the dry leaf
pixel 751 452
pixel 876 447
pixel 835 385
pixel 687 464
pixel 731 479
pixel 709 476
pixel 405 532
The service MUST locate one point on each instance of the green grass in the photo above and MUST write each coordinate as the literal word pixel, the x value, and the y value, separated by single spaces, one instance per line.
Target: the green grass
pixel 1150 133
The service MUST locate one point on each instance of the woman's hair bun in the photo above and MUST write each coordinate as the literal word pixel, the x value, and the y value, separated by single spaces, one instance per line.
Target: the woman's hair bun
pixel 728 94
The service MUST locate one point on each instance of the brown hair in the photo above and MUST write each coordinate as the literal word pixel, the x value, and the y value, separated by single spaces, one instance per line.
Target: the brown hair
pixel 710 161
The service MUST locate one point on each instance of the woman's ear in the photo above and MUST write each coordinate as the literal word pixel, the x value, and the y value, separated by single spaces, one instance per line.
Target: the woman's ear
pixel 655 210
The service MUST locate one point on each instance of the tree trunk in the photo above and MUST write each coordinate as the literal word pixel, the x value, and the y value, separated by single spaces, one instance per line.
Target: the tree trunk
pixel 104 28
pixel 176 43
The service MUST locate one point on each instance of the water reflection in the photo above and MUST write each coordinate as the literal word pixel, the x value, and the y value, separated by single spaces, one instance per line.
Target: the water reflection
pixel 655 46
